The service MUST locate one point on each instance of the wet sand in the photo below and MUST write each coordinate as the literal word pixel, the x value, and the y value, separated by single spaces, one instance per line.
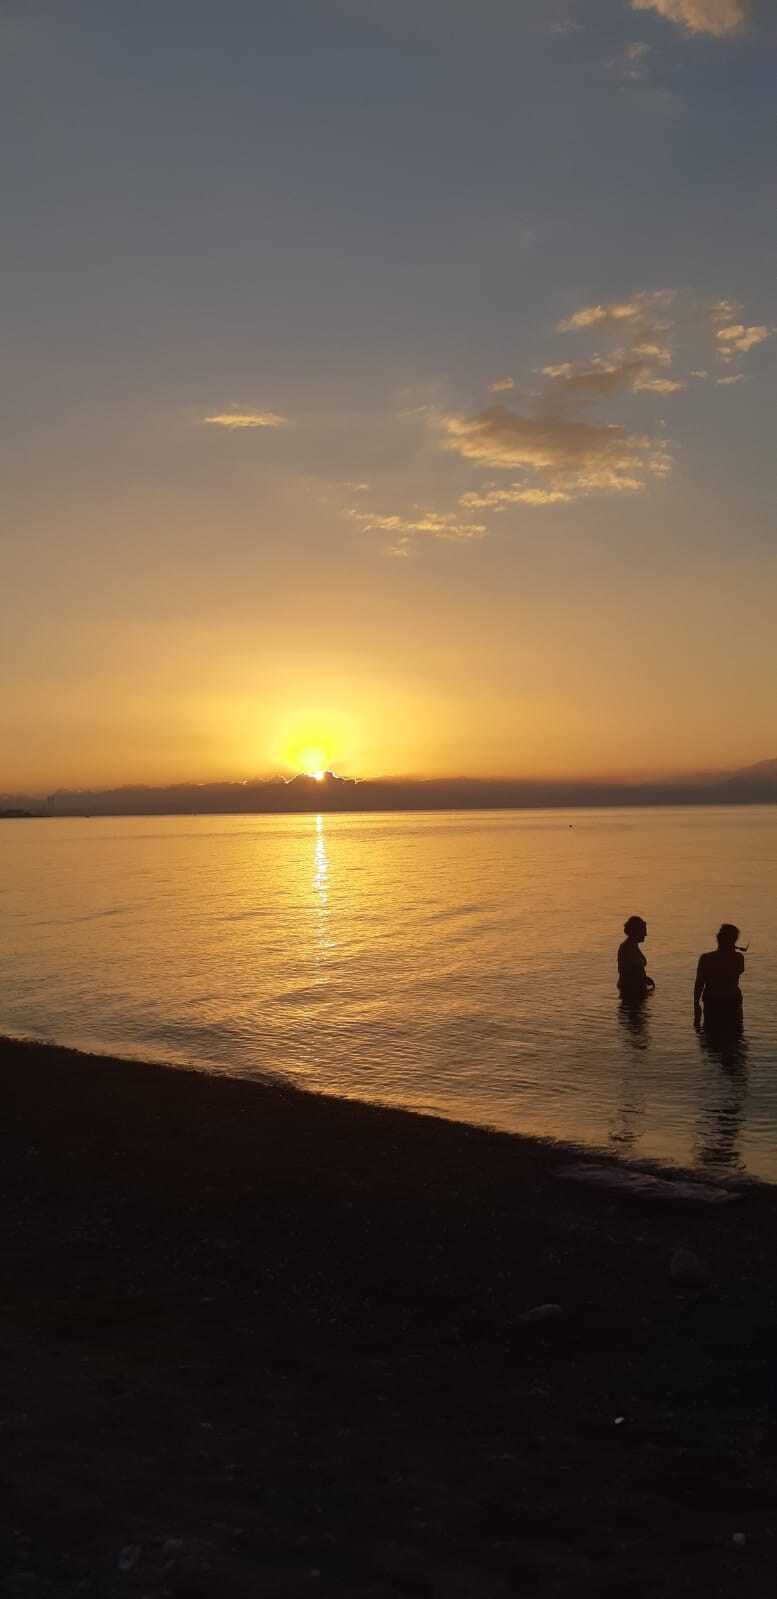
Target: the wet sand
pixel 259 1343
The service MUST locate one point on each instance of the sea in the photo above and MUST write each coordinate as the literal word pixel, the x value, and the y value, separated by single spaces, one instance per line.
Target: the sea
pixel 458 963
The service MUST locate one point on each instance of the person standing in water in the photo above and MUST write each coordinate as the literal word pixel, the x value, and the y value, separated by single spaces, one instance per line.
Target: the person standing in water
pixel 717 984
pixel 633 980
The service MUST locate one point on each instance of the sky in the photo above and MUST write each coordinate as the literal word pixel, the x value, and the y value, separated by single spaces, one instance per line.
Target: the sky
pixel 387 385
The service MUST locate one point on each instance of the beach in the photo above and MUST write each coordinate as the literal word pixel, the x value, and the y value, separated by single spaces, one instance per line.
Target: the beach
pixel 256 1341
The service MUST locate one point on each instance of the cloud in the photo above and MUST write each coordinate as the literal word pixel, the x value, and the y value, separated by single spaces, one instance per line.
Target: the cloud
pixel 737 377
pixel 737 339
pixel 553 449
pixel 440 525
pixel 660 353
pixel 659 385
pixel 724 311
pixel 642 308
pixel 577 383
pixel 718 17
pixel 567 455
pixel 633 62
pixel 246 419
pixel 517 494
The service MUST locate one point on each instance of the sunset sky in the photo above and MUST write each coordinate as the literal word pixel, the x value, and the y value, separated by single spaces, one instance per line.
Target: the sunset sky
pixel 386 383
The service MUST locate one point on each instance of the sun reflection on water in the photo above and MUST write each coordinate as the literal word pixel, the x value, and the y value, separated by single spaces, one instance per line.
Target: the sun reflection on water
pixel 321 865
pixel 458 963
pixel 323 916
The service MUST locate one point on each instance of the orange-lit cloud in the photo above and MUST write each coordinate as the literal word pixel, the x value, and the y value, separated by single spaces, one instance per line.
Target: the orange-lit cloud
pixel 246 419
pixel 517 494
pixel 724 311
pixel 438 525
pixel 567 454
pixel 659 385
pixel 575 383
pixel 737 339
pixel 738 377
pixel 643 307
pixel 560 453
pixel 718 17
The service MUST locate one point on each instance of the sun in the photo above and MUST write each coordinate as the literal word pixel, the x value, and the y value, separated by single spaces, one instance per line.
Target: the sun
pixel 313 741
pixel 312 759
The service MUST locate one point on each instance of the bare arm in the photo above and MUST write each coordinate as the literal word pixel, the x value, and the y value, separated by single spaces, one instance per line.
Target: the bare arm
pixel 698 990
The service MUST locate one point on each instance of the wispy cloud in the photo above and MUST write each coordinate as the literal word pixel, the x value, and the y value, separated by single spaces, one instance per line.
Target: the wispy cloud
pixel 560 452
pixel 246 419
pixel 718 17
pixel 641 308
pixel 435 524
pixel 568 455
pixel 736 377
pixel 549 442
pixel 659 385
pixel 724 311
pixel 517 494
pixel 580 382
pixel 632 63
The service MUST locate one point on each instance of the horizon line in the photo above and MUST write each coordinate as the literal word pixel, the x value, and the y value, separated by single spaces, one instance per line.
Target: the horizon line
pixel 331 782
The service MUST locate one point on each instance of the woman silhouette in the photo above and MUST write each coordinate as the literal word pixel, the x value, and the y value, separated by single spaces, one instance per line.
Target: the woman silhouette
pixel 717 984
pixel 633 980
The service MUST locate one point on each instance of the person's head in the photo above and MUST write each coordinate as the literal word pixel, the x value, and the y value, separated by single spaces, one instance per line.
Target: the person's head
pixel 727 935
pixel 635 928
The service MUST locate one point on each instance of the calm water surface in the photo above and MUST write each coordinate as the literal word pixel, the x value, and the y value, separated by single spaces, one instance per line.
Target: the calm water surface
pixel 461 963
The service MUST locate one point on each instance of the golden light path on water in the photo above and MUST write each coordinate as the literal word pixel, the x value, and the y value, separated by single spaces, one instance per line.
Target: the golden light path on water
pixel 460 963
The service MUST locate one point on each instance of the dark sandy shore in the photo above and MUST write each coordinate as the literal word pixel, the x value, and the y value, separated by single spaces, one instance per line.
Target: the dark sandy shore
pixel 258 1343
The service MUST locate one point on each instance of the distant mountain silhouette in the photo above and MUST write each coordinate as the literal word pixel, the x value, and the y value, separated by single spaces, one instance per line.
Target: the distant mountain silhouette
pixel 754 785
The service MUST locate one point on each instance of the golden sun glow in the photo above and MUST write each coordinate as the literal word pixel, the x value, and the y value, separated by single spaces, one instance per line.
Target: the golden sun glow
pixel 314 741
pixel 310 759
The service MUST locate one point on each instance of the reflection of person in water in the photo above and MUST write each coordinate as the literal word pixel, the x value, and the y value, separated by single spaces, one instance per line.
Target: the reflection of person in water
pixel 724 1097
pixel 633 980
pixel 717 984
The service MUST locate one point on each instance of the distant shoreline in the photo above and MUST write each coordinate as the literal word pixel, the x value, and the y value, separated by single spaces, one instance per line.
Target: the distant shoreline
pixel 331 806
pixel 756 785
